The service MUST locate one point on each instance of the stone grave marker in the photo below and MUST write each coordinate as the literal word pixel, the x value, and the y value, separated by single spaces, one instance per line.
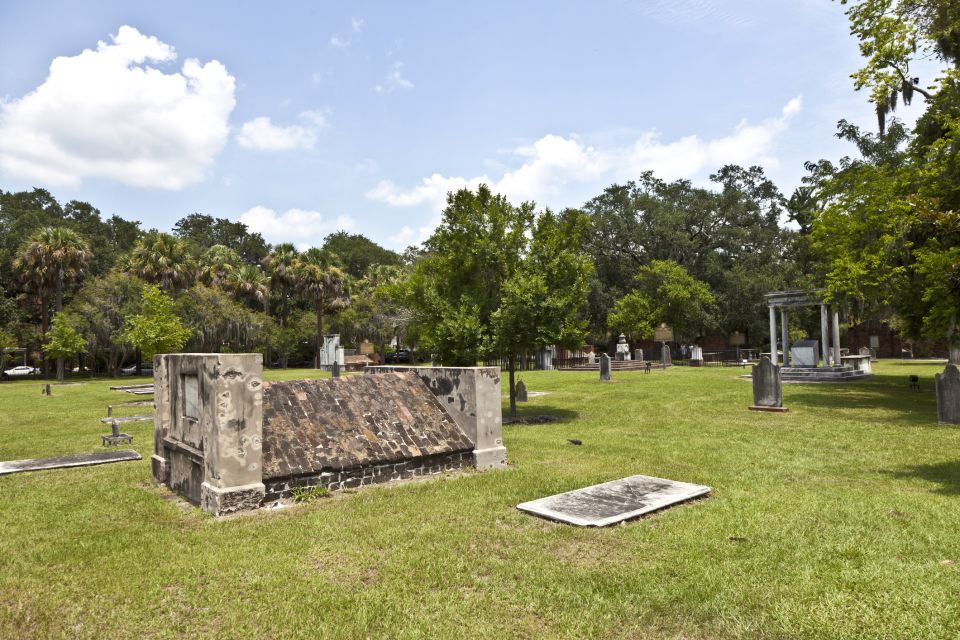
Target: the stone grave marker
pixel 767 387
pixel 638 355
pixel 61 462
pixel 521 391
pixel 666 358
pixel 611 502
pixel 604 367
pixel 948 395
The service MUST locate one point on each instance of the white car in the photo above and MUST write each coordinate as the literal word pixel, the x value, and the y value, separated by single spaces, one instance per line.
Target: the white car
pixel 145 370
pixel 22 370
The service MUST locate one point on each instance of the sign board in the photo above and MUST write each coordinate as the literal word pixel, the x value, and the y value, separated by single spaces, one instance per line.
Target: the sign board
pixel 737 339
pixel 663 333
pixel 874 342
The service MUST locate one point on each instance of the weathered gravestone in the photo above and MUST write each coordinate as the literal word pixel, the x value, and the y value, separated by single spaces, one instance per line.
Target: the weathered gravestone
pixel 335 369
pixel 638 355
pixel 521 392
pixel 767 388
pixel 948 395
pixel 591 358
pixel 666 358
pixel 604 367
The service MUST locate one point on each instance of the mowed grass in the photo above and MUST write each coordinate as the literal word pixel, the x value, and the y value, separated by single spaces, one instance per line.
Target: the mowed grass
pixel 839 519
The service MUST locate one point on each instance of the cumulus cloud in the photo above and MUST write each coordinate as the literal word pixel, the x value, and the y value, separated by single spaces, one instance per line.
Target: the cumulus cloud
pixel 394 80
pixel 261 134
pixel 303 227
pixel 112 113
pixel 553 162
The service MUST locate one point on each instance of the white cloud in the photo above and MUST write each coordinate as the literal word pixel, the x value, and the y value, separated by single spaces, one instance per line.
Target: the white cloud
pixel 394 80
pixel 553 162
pixel 408 235
pixel 303 227
pixel 338 42
pixel 261 134
pixel 109 113
pixel 357 24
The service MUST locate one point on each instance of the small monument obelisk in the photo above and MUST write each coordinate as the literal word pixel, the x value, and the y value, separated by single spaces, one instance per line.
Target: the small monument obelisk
pixel 767 388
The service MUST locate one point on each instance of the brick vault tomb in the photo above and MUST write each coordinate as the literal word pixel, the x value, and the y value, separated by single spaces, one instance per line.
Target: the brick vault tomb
pixel 228 441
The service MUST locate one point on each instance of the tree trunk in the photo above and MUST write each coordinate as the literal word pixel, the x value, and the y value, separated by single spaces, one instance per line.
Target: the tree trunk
pixel 44 328
pixel 59 307
pixel 319 340
pixel 513 389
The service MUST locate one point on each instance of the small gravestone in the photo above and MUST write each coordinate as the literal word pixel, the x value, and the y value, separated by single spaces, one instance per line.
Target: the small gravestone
pixel 591 358
pixel 335 369
pixel 666 358
pixel 948 395
pixel 520 392
pixel 604 367
pixel 767 388
pixel 638 355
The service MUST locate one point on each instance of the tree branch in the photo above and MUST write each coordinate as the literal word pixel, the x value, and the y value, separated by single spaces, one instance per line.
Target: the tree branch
pixel 926 94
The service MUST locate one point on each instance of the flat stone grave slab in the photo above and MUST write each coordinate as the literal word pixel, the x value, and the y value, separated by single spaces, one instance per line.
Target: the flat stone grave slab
pixel 611 502
pixel 75 460
pixel 122 419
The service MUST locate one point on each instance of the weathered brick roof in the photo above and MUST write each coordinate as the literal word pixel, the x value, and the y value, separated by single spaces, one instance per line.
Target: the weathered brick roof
pixel 311 426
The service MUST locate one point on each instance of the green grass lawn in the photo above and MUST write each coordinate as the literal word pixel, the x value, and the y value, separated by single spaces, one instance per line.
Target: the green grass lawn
pixel 839 519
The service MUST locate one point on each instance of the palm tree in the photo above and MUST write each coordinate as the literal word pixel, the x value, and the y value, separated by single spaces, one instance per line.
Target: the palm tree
pixel 218 264
pixel 251 284
pixel 279 265
pixel 50 259
pixel 162 259
pixel 322 284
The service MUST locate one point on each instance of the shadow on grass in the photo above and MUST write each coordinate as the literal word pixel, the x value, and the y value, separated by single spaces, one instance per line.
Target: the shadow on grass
pixel 885 392
pixel 527 415
pixel 946 474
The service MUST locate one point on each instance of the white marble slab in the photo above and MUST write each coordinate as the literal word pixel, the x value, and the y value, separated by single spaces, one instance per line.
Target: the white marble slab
pixel 611 502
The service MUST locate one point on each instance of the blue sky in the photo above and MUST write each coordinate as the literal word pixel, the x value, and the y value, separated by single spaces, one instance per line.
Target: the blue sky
pixel 300 118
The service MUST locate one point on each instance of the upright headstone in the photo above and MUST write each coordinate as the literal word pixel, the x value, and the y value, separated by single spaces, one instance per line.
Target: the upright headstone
pixel 767 388
pixel 696 356
pixel 335 369
pixel 604 367
pixel 948 395
pixel 638 355
pixel 591 358
pixel 520 391
pixel 666 358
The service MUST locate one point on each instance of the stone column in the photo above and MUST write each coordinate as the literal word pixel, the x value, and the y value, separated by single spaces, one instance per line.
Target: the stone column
pixel 836 337
pixel 784 332
pixel 824 335
pixel 773 335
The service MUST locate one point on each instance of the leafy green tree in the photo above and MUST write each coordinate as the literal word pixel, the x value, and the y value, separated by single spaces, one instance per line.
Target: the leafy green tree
pixel 100 310
pixel 497 280
pixel 729 237
pixel 665 292
pixel 894 33
pixel 458 284
pixel 63 341
pixel 543 302
pixel 218 323
pixel 156 329
pixel 204 231
pixel 357 253
pixel 250 284
pixel 378 306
